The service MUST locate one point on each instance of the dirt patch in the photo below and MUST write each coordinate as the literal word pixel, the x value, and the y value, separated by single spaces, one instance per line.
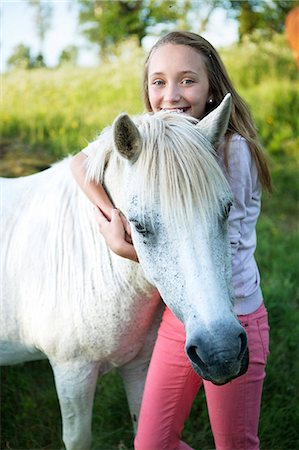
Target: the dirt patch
pixel 18 159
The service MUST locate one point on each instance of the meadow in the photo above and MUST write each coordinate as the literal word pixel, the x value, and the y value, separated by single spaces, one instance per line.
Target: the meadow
pixel 48 114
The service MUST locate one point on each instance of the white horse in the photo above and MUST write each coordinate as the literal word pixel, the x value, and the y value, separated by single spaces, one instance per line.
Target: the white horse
pixel 68 298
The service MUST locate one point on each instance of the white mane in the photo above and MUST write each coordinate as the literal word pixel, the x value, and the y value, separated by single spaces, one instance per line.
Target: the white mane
pixel 176 161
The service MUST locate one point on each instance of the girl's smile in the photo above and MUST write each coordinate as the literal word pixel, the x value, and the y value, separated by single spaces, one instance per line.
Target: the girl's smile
pixel 178 80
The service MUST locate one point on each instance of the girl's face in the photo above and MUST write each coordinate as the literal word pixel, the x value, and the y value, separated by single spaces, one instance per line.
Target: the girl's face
pixel 178 79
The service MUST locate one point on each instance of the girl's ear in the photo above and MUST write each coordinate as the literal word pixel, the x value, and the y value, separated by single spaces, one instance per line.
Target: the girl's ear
pixel 126 138
pixel 214 125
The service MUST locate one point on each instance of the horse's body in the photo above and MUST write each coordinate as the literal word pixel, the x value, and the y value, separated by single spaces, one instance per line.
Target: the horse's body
pixel 68 298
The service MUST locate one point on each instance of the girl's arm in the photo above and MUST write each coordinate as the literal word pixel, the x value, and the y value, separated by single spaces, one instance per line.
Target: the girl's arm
pixel 112 223
pixel 94 191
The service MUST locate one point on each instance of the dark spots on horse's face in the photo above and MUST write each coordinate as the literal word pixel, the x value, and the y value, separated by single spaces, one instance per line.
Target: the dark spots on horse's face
pixel 134 418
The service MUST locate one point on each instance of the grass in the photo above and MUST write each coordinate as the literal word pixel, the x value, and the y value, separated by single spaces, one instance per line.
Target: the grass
pixel 30 412
pixel 278 259
pixel 47 114
pixel 62 110
pixel 30 416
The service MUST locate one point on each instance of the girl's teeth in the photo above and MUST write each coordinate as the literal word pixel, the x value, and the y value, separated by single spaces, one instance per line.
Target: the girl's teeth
pixel 178 110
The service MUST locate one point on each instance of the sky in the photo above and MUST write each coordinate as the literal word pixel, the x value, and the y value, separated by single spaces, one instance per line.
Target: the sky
pixel 18 27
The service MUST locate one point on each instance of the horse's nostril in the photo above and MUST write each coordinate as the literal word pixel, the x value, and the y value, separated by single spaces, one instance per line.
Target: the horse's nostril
pixel 195 358
pixel 191 351
pixel 243 338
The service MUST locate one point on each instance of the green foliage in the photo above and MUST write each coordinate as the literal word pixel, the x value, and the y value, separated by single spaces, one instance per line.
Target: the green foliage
pixel 57 112
pixel 31 419
pixel 266 17
pixel 30 411
pixel 29 398
pixel 277 117
pixel 62 110
pixel 257 61
pixel 43 17
pixel 83 101
pixel 266 75
pixel 69 55
pixel 108 23
pixel 21 58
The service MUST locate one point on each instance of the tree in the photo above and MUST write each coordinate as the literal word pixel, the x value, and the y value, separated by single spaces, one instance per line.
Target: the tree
pixel 37 62
pixel 199 14
pixel 266 16
pixel 106 23
pixel 43 16
pixel 20 58
pixel 69 55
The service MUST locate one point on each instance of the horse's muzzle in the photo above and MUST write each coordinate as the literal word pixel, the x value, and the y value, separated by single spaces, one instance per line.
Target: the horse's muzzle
pixel 222 363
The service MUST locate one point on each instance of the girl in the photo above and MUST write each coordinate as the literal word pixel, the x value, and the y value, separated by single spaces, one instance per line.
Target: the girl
pixel 184 72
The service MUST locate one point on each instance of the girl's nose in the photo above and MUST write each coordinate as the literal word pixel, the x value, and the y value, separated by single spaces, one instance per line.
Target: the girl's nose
pixel 172 93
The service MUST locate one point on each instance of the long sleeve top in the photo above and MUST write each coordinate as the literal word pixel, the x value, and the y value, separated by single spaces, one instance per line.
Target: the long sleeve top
pixel 243 179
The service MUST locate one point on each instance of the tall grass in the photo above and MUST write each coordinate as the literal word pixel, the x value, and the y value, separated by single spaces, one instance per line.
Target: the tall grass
pixel 47 114
pixel 256 62
pixel 61 110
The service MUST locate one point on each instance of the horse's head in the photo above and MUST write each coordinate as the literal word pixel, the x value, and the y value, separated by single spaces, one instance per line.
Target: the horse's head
pixel 177 202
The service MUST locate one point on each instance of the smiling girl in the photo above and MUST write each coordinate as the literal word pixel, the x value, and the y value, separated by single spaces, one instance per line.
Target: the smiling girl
pixel 183 72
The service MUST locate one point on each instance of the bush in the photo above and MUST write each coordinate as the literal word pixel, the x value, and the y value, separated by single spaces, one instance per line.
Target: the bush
pixel 257 61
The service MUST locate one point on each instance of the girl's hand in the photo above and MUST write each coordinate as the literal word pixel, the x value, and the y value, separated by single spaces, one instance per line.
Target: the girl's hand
pixel 117 234
pixel 127 228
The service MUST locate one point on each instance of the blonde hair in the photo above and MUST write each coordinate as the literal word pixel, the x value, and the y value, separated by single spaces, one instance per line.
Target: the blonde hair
pixel 184 178
pixel 241 121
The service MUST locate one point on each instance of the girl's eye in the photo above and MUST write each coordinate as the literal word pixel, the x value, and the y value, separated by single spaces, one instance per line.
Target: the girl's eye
pixel 158 82
pixel 187 81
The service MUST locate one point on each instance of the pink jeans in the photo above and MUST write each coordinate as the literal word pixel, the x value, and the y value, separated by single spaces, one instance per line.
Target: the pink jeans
pixel 172 385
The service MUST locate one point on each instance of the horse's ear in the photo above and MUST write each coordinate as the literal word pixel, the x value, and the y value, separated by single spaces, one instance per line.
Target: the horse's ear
pixel 215 124
pixel 126 137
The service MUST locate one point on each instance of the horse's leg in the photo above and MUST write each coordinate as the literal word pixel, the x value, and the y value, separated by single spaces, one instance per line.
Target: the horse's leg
pixel 75 384
pixel 134 372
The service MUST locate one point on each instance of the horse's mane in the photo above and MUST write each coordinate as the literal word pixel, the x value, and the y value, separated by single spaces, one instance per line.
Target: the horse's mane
pixel 176 161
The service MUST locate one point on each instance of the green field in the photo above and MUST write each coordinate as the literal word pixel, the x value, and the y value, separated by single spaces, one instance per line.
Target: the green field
pixel 47 114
